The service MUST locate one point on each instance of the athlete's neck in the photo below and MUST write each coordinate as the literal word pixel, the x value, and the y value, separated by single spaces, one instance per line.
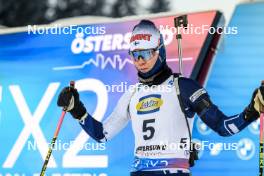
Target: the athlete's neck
pixel 158 78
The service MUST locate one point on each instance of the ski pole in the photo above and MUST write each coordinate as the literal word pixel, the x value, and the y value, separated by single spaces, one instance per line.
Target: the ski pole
pixel 261 129
pixel 261 145
pixel 45 164
pixel 180 21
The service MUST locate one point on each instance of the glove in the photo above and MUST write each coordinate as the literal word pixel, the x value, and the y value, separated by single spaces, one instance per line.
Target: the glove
pixel 256 105
pixel 70 101
pixel 66 98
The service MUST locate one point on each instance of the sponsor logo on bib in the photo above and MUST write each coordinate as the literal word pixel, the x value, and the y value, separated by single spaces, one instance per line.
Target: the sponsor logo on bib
pixel 149 104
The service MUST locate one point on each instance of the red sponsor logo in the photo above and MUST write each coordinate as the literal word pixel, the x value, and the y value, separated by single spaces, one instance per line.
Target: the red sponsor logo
pixel 140 37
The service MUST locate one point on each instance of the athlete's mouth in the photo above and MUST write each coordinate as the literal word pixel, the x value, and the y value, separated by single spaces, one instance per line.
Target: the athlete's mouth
pixel 143 69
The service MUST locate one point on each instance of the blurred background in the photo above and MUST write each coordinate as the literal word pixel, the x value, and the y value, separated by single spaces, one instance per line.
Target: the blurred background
pixel 25 12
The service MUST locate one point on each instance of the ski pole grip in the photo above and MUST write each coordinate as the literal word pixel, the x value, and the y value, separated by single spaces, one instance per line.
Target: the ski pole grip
pixel 71 88
pixel 72 84
pixel 181 21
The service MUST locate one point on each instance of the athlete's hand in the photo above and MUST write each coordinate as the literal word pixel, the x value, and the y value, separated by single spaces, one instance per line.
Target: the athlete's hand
pixel 68 98
pixel 256 105
pixel 70 101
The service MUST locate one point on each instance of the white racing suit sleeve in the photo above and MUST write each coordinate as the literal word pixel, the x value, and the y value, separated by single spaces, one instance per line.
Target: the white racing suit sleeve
pixel 119 118
pixel 114 123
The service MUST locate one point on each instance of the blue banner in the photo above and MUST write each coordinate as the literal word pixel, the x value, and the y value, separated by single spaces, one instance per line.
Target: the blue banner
pixel 34 67
pixel 36 64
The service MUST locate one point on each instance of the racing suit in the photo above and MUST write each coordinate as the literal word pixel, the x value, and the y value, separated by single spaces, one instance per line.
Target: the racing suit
pixel 162 114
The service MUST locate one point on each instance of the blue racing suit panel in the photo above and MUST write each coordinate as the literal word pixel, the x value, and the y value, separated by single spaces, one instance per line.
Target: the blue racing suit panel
pixel 196 99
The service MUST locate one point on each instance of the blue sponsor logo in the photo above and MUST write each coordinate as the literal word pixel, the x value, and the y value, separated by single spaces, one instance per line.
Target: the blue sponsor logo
pixel 149 104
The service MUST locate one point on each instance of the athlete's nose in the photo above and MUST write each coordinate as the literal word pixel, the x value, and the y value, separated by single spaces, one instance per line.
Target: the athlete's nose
pixel 141 60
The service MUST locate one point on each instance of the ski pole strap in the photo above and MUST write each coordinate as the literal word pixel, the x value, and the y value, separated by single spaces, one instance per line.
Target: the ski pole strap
pixel 193 153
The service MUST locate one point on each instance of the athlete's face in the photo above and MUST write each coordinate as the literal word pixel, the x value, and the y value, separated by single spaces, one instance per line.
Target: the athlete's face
pixel 145 65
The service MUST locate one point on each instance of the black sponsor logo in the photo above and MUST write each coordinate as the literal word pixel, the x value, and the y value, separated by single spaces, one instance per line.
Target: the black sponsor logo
pixel 151 148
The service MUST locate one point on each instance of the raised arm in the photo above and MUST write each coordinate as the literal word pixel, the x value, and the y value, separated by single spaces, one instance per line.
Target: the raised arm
pixel 101 132
pixel 197 99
